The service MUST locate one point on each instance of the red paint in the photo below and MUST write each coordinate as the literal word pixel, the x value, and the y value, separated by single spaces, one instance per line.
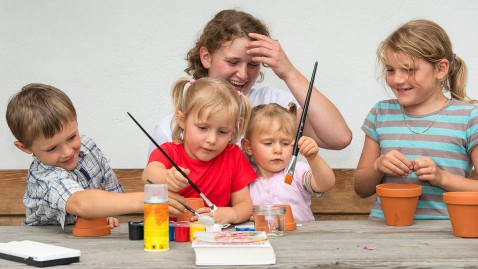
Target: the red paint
pixel 181 231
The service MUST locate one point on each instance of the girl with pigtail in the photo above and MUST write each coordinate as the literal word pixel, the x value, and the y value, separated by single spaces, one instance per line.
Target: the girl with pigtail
pixel 210 117
pixel 422 136
pixel 268 144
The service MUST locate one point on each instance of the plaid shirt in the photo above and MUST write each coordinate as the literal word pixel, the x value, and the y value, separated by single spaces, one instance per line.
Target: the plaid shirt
pixel 49 187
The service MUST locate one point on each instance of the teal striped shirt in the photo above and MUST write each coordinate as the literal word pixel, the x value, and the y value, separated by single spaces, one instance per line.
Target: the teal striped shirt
pixel 446 136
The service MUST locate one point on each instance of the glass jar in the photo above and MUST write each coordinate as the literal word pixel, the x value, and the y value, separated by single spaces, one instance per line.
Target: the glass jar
pixel 270 219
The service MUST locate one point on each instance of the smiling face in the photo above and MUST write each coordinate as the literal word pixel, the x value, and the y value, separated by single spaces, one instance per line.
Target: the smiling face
pixel 414 82
pixel 61 150
pixel 206 137
pixel 232 63
pixel 271 148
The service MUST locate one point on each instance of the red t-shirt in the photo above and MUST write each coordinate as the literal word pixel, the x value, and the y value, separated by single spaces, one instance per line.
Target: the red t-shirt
pixel 217 179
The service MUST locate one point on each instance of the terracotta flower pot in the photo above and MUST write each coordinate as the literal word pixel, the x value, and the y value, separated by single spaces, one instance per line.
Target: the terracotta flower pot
pixel 399 202
pixel 463 211
pixel 193 202
pixel 91 227
pixel 290 224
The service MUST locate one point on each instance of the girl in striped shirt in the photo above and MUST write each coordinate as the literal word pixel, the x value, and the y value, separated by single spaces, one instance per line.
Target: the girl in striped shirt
pixel 428 134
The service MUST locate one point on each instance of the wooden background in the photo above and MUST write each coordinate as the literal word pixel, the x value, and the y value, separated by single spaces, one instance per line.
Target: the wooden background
pixel 341 203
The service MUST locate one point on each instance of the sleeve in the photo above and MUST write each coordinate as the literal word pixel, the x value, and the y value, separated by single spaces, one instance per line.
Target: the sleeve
pixel 284 98
pixel 472 131
pixel 158 156
pixel 244 174
pixel 112 183
pixel 46 197
pixel 162 132
pixel 370 123
pixel 60 191
pixel 268 94
pixel 307 184
pixel 302 177
pixel 97 165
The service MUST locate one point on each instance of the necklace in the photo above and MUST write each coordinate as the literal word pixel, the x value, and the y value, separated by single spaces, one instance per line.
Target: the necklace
pixel 430 126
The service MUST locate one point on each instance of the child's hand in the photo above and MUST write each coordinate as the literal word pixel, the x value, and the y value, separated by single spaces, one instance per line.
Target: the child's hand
pixel 393 163
pixel 308 147
pixel 112 222
pixel 426 169
pixel 205 211
pixel 224 215
pixel 175 202
pixel 175 180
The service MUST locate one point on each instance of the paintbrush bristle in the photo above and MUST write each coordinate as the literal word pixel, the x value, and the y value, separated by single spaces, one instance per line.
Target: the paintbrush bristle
pixel 288 179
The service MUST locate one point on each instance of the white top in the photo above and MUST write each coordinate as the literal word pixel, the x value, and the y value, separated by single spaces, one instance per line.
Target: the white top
pixel 264 95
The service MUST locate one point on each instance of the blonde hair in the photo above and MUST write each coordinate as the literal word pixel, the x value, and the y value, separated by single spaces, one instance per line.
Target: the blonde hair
pixel 263 115
pixel 210 96
pixel 424 39
pixel 38 110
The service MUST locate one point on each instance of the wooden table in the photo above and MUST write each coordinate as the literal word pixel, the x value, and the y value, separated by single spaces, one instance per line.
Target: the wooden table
pixel 324 244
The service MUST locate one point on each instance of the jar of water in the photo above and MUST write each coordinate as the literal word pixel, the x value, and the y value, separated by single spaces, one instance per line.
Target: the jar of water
pixel 270 219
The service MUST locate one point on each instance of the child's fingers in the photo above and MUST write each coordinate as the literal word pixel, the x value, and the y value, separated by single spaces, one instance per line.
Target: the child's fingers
pixel 400 162
pixel 307 146
pixel 112 222
pixel 422 162
pixel 180 179
pixel 176 202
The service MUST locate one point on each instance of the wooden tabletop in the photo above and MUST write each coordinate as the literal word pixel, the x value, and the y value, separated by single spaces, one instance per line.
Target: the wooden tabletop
pixel 324 244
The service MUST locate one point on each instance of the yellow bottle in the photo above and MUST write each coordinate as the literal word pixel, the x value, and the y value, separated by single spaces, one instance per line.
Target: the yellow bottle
pixel 156 217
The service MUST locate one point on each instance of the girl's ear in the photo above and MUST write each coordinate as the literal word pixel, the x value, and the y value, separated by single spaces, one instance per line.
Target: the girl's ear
pixel 180 119
pixel 22 147
pixel 246 146
pixel 442 68
pixel 205 57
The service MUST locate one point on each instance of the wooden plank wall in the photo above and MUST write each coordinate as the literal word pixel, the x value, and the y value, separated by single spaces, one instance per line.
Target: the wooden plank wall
pixel 339 203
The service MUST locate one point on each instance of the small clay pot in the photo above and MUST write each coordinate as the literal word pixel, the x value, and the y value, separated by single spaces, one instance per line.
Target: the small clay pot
pixel 290 224
pixel 399 202
pixel 193 202
pixel 463 211
pixel 91 227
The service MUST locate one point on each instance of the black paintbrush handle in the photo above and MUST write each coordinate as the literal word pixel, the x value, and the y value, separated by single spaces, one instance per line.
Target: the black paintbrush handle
pixel 190 209
pixel 300 130
pixel 166 155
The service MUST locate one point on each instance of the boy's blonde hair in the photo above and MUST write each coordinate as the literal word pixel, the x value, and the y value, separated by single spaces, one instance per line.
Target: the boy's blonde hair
pixel 210 96
pixel 424 39
pixel 38 110
pixel 262 117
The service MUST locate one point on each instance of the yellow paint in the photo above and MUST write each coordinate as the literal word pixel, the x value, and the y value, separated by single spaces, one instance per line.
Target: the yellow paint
pixel 195 227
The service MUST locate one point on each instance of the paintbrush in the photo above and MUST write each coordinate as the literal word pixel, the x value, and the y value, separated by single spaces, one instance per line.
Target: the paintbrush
pixel 204 219
pixel 208 202
pixel 291 168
